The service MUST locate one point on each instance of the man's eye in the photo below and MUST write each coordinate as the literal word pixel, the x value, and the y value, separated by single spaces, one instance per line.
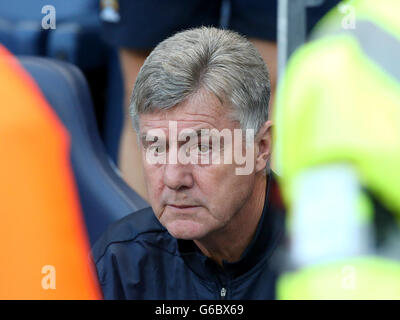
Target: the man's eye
pixel 157 149
pixel 203 148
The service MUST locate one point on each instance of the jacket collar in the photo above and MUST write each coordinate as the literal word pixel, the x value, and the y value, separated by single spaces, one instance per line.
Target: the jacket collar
pixel 268 233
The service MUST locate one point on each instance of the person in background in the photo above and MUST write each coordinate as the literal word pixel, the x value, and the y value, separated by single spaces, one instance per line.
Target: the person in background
pixel 337 149
pixel 43 239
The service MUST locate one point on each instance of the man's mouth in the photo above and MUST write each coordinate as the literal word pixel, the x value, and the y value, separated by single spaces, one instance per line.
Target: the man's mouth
pixel 181 206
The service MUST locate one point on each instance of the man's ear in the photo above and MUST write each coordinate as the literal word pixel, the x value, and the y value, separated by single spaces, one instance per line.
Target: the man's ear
pixel 263 143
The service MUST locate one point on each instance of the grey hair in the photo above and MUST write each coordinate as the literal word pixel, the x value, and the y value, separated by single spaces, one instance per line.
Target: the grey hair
pixel 220 61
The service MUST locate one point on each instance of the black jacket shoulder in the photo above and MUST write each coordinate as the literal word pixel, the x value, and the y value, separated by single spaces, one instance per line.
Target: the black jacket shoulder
pixel 126 229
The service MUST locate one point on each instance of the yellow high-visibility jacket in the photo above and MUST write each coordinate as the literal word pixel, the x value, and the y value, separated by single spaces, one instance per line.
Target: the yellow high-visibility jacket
pixel 339 102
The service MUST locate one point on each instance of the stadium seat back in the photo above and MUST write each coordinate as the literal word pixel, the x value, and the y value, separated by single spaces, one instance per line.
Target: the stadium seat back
pixel 18 10
pixel 104 196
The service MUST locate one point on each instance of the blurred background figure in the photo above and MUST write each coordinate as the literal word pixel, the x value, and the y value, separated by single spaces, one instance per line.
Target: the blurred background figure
pixel 58 42
pixel 44 244
pixel 135 27
pixel 337 149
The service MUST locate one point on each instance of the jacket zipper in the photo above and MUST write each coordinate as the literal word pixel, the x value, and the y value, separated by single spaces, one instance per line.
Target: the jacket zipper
pixel 223 293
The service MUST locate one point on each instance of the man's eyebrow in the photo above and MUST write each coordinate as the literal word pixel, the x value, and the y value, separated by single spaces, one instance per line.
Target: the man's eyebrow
pixel 143 138
pixel 148 138
pixel 189 133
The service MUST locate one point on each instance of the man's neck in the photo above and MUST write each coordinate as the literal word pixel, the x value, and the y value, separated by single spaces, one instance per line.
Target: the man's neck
pixel 229 243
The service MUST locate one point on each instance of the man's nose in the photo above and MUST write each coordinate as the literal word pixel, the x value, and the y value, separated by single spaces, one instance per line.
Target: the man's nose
pixel 177 176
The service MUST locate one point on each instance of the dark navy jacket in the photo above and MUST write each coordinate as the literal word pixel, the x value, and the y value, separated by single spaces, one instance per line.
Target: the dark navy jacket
pixel 138 259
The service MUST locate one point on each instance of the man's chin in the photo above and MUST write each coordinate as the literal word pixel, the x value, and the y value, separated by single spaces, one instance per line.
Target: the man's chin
pixel 186 229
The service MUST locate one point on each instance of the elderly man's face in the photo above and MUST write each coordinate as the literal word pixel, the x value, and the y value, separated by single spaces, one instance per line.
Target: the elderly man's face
pixel 193 200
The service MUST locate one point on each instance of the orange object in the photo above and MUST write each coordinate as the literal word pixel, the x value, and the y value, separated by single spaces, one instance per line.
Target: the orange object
pixel 44 249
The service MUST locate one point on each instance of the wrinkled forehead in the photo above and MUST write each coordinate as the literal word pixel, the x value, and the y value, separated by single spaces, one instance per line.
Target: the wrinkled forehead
pixel 200 111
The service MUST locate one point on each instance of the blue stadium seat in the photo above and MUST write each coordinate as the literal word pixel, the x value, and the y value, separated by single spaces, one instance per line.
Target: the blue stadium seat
pixel 114 106
pixel 75 39
pixel 78 41
pixel 22 37
pixel 104 196
pixel 18 10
